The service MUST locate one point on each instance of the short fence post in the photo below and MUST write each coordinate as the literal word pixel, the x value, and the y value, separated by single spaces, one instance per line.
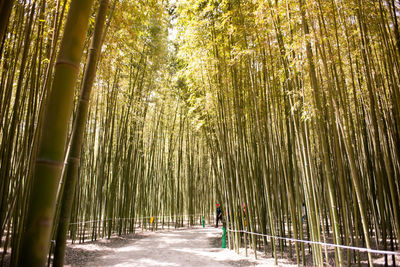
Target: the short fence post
pixel 223 237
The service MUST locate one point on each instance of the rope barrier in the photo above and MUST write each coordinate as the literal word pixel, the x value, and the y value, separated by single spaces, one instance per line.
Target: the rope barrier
pixel 86 222
pixel 375 251
pixel 322 243
pixel 140 218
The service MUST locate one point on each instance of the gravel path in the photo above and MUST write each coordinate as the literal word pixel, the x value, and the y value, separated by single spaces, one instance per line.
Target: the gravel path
pixel 189 247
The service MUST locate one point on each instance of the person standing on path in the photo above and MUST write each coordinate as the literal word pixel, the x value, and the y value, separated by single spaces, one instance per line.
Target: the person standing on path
pixel 219 214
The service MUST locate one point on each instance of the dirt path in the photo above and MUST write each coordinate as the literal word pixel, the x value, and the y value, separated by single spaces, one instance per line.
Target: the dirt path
pixel 189 247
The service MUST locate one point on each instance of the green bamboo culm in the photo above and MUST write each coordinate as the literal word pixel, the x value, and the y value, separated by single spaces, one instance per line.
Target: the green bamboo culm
pixel 49 160
pixel 77 137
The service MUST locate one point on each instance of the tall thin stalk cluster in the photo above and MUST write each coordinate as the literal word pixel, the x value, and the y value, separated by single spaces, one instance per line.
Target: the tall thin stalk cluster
pixel 284 112
pixel 129 149
pixel 28 52
pixel 304 110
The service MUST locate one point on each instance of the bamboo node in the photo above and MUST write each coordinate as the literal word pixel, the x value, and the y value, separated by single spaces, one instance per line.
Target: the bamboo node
pixel 81 99
pixel 68 63
pixel 49 162
pixel 74 158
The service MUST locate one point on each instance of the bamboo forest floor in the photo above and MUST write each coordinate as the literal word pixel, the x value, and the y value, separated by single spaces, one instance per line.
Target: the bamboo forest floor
pixel 196 246
pixel 183 247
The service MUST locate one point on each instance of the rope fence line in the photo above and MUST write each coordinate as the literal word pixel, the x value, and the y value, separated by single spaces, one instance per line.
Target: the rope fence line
pixel 83 226
pixel 139 218
pixel 375 251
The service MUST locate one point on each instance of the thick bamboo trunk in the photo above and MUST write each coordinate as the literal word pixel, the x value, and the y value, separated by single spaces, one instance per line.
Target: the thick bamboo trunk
pixel 77 135
pixel 49 161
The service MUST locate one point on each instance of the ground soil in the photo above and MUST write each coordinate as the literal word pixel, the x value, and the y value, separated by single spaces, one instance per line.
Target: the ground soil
pixel 188 247
pixel 195 246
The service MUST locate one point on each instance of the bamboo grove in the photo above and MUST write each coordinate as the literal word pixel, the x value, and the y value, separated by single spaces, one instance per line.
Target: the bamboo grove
pixel 286 112
pixel 137 149
pixel 304 109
